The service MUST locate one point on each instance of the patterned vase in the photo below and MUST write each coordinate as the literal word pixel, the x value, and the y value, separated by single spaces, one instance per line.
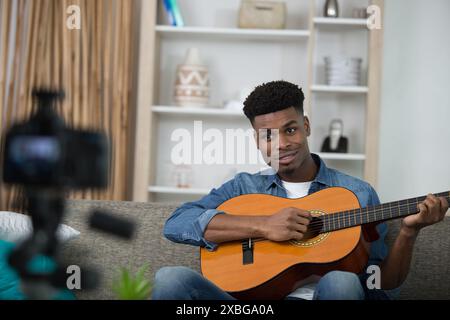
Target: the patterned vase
pixel 192 81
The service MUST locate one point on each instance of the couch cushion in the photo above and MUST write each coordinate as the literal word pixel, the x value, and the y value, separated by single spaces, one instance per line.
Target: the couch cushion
pixel 429 275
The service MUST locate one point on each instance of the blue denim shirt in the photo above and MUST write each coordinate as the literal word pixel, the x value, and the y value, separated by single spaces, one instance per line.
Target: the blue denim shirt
pixel 187 223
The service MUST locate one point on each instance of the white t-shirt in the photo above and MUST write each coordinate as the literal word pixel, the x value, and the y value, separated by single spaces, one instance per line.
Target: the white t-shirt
pixel 299 190
pixel 296 189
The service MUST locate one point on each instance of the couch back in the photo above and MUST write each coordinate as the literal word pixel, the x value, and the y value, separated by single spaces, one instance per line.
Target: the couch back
pixel 429 276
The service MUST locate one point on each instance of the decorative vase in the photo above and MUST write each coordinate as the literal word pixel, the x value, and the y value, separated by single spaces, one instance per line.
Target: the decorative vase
pixel 182 176
pixel 331 9
pixel 192 81
pixel 342 71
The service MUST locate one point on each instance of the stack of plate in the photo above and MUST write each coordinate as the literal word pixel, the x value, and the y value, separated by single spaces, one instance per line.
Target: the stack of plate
pixel 342 71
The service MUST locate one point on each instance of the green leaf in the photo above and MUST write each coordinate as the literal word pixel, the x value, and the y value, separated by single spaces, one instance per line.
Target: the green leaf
pixel 129 286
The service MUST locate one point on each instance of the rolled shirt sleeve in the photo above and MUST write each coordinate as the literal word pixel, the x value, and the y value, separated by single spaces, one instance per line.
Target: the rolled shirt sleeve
pixel 188 223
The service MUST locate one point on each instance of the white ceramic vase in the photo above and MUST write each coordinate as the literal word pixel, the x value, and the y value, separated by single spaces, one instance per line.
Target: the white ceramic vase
pixel 192 82
pixel 343 71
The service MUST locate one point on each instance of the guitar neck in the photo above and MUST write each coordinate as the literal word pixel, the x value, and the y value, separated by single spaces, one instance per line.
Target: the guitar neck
pixel 382 212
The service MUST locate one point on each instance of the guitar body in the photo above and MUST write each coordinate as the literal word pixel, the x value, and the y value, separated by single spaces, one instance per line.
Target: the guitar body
pixel 278 268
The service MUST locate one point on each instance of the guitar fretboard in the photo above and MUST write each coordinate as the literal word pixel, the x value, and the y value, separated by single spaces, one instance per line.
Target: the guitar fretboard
pixel 382 212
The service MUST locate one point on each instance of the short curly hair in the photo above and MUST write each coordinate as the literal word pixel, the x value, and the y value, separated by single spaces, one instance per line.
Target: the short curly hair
pixel 273 96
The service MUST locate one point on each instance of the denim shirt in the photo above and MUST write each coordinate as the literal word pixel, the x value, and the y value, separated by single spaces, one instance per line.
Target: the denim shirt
pixel 187 223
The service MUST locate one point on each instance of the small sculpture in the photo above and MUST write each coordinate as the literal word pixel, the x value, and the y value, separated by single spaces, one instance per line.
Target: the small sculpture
pixel 331 9
pixel 335 142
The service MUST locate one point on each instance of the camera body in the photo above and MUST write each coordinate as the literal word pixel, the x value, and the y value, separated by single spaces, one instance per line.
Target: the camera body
pixel 43 153
pixel 47 158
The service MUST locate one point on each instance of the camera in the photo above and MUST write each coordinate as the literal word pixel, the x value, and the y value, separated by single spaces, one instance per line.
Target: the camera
pixel 48 158
pixel 43 152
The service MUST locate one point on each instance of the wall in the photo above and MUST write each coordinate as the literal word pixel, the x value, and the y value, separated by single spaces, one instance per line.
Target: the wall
pixel 414 150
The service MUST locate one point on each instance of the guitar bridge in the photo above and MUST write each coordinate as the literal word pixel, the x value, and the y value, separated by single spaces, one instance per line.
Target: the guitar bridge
pixel 247 252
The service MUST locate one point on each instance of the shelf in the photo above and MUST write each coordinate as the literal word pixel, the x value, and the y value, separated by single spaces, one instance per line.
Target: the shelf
pixel 207 111
pixel 233 33
pixel 347 89
pixel 242 58
pixel 350 22
pixel 164 189
pixel 341 156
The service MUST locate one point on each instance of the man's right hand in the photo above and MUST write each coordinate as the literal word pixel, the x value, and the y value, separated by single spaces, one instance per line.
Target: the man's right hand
pixel 286 224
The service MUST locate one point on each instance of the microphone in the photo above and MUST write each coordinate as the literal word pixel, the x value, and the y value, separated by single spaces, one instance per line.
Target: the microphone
pixel 106 222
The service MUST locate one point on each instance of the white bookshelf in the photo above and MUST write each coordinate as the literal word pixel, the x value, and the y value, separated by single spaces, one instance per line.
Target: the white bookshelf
pixel 232 33
pixel 336 22
pixel 345 89
pixel 243 58
pixel 341 156
pixel 175 190
pixel 343 36
pixel 206 111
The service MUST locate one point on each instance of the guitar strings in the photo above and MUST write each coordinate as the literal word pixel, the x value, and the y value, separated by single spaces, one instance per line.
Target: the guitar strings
pixel 372 213
pixel 318 225
pixel 332 218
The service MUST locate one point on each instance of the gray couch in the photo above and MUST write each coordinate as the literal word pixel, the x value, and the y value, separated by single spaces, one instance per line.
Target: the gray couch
pixel 429 277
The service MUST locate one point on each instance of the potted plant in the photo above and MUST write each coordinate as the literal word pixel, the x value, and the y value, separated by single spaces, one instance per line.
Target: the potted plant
pixel 132 286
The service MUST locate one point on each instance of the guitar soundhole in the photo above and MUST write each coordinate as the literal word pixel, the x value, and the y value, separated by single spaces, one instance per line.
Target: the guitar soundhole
pixel 316 225
pixel 313 236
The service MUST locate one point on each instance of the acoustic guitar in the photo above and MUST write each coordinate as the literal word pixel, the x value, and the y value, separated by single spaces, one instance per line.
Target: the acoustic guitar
pixel 264 269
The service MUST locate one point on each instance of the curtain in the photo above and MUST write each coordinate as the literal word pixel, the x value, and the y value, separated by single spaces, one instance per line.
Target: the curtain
pixel 39 47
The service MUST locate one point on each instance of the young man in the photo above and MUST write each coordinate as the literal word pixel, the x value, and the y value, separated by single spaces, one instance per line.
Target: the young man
pixel 279 105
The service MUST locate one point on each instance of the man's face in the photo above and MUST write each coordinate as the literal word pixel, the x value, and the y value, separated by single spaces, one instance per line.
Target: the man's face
pixel 291 129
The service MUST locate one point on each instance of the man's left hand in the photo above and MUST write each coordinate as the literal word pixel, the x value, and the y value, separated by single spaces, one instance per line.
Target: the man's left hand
pixel 432 210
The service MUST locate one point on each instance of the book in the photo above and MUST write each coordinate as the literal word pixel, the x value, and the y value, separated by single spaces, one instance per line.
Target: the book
pixel 169 12
pixel 173 13
pixel 177 14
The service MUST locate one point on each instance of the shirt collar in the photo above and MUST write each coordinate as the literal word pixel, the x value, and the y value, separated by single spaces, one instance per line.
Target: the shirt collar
pixel 323 176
